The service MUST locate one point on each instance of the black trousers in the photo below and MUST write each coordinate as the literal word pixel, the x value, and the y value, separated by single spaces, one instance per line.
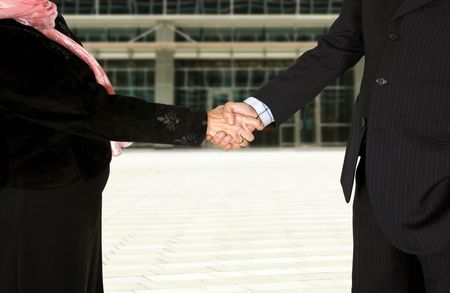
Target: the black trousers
pixel 50 240
pixel 379 267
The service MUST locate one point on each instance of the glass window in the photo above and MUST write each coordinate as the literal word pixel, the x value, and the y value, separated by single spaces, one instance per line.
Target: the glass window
pixel 242 78
pixel 130 6
pixel 335 134
pixel 76 7
pixel 336 105
pixel 288 134
pixel 194 98
pixel 308 131
pixel 135 78
pixel 241 94
pixel 280 35
pixel 113 34
pixel 199 6
pixel 215 82
pixel 268 138
pixel 249 34
pixel 205 84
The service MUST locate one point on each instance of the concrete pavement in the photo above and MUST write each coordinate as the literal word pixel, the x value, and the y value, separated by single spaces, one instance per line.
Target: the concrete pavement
pixel 203 221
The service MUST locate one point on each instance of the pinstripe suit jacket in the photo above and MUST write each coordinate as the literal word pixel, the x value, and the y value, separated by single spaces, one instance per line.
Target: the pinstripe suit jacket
pixel 402 110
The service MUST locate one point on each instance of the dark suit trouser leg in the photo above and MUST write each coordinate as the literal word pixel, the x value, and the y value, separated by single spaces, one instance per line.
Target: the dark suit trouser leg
pixel 436 271
pixel 380 267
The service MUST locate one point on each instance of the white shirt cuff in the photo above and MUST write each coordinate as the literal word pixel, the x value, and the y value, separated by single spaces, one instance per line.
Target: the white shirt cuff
pixel 263 111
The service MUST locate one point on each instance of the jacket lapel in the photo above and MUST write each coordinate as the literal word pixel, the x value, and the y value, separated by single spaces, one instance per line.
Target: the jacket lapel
pixel 408 6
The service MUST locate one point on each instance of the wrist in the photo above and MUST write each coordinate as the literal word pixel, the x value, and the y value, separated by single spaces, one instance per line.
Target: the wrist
pixel 209 123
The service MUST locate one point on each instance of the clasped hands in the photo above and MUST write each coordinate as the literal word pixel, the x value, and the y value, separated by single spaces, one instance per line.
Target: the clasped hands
pixel 231 126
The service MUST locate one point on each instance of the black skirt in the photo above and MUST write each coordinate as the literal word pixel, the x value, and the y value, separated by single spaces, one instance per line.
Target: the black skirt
pixel 50 240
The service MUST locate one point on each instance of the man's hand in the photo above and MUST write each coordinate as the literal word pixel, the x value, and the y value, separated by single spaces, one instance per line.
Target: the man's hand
pixel 231 136
pixel 236 114
pixel 231 109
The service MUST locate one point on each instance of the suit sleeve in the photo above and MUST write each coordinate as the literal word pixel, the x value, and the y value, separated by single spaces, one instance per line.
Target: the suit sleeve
pixel 337 51
pixel 42 87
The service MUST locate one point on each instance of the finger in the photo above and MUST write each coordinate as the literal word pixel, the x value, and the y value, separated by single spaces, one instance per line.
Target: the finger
pixel 250 128
pixel 247 135
pixel 208 137
pixel 247 123
pixel 253 122
pixel 245 144
pixel 228 147
pixel 226 141
pixel 228 113
pixel 219 137
pixel 229 117
pixel 243 109
pixel 235 146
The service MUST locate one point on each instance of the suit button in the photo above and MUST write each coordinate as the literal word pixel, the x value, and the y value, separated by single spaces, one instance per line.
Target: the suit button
pixel 381 81
pixel 394 36
pixel 363 121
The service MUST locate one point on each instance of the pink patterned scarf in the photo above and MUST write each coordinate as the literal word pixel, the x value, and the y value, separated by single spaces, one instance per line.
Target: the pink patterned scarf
pixel 41 15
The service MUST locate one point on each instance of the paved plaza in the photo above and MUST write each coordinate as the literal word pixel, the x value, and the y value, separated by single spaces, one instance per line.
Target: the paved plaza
pixel 204 221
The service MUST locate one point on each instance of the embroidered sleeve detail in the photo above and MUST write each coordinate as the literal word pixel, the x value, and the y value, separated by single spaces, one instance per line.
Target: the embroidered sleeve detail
pixel 170 120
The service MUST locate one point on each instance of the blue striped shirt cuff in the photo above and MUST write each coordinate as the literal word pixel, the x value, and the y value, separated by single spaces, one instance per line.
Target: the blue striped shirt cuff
pixel 263 111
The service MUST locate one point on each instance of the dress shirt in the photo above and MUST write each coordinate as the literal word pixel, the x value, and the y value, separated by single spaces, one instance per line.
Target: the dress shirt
pixel 263 111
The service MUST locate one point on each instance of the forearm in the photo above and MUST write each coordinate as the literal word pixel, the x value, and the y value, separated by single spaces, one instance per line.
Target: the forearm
pixel 335 53
pixel 131 119
pixel 106 117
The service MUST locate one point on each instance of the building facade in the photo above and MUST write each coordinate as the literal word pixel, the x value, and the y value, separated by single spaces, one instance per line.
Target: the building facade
pixel 203 53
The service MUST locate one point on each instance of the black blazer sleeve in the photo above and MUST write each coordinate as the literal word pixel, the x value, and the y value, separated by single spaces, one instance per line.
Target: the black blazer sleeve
pixel 45 88
pixel 335 53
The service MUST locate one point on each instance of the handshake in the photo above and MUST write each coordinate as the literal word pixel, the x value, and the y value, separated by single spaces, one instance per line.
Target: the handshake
pixel 231 126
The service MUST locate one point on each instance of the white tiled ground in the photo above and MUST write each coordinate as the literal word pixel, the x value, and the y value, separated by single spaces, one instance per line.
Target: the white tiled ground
pixel 201 221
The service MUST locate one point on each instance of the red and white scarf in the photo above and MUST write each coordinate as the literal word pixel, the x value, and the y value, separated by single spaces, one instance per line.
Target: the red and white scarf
pixel 41 15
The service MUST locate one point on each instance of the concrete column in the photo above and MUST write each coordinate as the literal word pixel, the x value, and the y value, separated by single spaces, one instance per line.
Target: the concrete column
pixel 358 75
pixel 297 129
pixel 318 119
pixel 165 67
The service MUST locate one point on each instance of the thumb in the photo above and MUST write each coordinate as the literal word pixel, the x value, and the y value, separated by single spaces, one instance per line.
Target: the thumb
pixel 228 113
pixel 244 110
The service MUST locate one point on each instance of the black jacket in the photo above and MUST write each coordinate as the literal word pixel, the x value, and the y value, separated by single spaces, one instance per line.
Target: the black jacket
pixel 56 121
pixel 403 110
